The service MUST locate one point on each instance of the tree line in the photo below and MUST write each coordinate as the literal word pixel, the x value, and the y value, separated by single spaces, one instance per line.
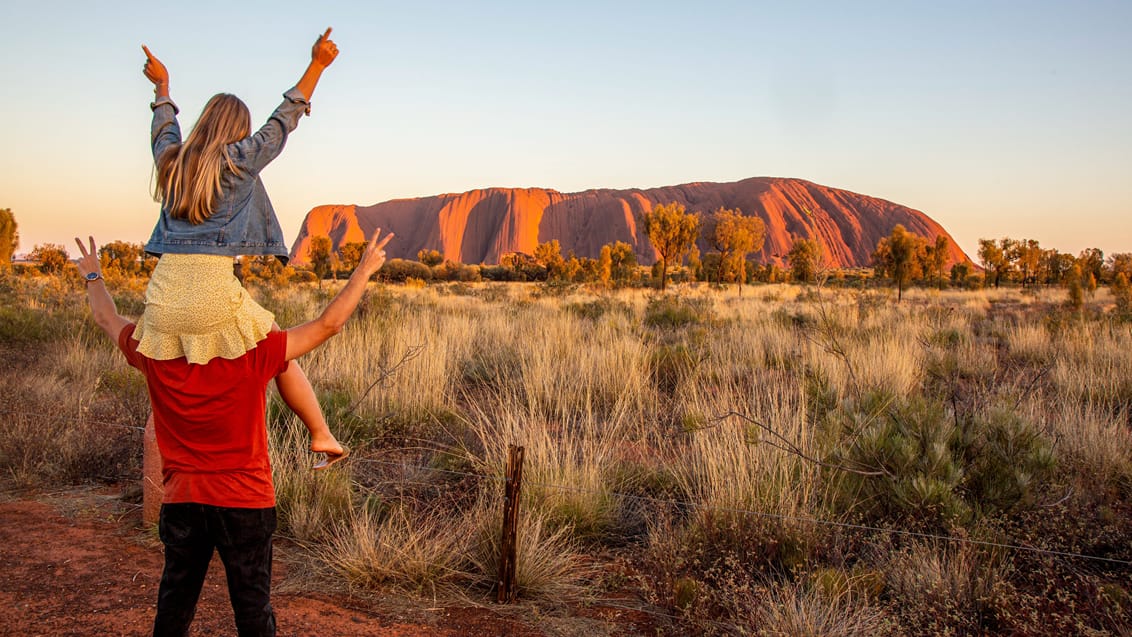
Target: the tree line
pixel 903 258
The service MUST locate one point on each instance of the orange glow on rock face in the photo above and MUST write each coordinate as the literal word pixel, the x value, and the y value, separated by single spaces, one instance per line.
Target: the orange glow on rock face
pixel 479 226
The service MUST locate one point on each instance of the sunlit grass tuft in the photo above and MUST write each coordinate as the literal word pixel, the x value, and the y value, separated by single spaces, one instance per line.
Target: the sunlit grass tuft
pixel 414 552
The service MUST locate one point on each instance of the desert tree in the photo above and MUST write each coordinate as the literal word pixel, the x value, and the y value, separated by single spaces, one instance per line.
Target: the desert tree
pixel 734 236
pixel 522 266
pixel 1122 295
pixel 1074 289
pixel 248 270
pixel 549 256
pixel 937 255
pixel 1091 261
pixel 52 257
pixel 124 258
pixel 804 258
pixel 319 254
pixel 900 256
pixel 1009 249
pixel 605 266
pixel 1118 263
pixel 771 273
pixel 1027 255
pixel 1029 260
pixel 265 269
pixel 244 272
pixel 696 263
pixel 589 272
pixel 431 258
pixel 671 231
pixel 715 240
pixel 1055 266
pixel 711 268
pixel 9 237
pixel 994 261
pixel 573 269
pixel 622 263
pixel 350 254
pixel 960 272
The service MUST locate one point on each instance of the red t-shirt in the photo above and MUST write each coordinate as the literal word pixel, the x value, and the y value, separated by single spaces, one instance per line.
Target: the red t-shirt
pixel 210 423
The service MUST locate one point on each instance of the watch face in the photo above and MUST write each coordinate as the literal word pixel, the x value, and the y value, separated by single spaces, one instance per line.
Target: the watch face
pixel 92 276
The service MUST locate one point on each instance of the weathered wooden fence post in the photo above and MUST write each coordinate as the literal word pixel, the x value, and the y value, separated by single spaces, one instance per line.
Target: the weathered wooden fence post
pixel 508 587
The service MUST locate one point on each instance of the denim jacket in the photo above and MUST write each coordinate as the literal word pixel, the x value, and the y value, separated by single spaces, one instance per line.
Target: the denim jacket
pixel 242 220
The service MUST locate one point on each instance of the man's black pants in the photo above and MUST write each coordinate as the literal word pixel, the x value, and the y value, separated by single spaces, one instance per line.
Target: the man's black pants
pixel 190 533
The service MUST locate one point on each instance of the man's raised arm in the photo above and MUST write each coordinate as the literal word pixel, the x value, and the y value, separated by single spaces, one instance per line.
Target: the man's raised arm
pixel 305 337
pixel 101 303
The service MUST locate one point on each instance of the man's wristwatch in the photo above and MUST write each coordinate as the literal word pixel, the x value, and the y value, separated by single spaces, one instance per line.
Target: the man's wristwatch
pixel 91 277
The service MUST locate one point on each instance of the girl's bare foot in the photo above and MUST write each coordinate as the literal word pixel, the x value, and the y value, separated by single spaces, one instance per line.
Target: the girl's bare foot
pixel 327 444
pixel 331 448
pixel 331 459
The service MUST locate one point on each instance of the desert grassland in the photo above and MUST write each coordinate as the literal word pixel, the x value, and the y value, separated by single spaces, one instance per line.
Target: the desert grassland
pixel 736 463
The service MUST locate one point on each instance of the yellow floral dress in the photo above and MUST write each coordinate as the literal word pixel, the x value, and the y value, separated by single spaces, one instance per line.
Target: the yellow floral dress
pixel 196 308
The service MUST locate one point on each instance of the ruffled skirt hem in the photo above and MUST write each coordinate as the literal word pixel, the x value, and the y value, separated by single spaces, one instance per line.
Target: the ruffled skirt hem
pixel 195 308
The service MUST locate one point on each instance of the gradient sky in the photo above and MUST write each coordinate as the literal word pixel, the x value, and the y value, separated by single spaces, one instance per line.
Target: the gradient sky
pixel 994 118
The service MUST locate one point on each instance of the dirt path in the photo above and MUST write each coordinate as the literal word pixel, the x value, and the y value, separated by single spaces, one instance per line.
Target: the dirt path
pixel 72 568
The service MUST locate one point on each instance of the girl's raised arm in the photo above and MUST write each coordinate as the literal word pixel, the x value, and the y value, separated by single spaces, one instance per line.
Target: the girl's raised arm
pixel 255 152
pixel 156 72
pixel 322 55
pixel 164 131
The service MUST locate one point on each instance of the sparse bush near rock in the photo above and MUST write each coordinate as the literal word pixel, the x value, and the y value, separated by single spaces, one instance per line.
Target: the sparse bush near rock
pixel 400 270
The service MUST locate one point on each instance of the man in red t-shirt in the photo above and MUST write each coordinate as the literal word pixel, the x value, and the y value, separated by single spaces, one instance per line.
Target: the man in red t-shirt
pixel 212 434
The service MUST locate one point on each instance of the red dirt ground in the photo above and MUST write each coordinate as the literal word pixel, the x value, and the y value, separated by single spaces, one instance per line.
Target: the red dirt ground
pixel 71 566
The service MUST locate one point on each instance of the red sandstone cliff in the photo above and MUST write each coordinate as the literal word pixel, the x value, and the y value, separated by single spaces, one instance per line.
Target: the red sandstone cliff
pixel 480 225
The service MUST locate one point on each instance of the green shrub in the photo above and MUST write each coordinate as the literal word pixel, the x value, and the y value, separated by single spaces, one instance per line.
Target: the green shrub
pixel 399 270
pixel 499 273
pixel 674 312
pixel 934 470
pixel 556 288
pixel 1009 460
pixel 20 324
pixel 595 309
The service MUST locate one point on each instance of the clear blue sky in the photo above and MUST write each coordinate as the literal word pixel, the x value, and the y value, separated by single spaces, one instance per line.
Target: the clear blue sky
pixel 995 118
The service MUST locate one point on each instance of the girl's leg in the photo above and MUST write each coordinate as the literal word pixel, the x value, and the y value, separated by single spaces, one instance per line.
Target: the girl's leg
pixel 296 391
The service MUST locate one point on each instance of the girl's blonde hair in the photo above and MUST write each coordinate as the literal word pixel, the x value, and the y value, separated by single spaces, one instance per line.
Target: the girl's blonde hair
pixel 188 174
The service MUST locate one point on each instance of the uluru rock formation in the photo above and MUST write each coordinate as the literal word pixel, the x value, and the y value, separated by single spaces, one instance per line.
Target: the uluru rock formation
pixel 480 225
